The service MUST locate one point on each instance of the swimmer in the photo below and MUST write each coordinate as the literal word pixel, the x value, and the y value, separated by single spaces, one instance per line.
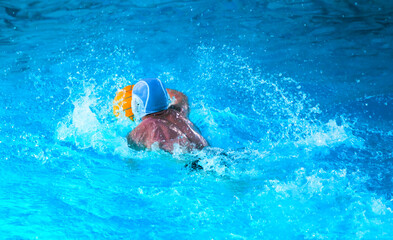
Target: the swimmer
pixel 161 122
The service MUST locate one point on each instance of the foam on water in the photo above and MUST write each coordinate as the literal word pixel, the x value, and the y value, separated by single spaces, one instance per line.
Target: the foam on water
pixel 277 178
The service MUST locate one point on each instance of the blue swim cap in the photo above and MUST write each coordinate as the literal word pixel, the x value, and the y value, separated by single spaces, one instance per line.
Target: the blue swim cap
pixel 149 96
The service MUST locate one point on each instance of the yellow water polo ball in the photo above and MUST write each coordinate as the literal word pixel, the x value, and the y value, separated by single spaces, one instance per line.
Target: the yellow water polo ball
pixel 122 102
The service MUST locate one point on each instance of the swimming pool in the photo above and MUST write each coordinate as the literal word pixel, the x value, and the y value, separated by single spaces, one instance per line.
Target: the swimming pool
pixel 298 94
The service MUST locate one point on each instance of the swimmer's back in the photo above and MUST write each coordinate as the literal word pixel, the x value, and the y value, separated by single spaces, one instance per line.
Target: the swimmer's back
pixel 166 128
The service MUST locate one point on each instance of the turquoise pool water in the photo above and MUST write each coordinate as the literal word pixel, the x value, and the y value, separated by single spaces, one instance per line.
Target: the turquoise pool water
pixel 298 94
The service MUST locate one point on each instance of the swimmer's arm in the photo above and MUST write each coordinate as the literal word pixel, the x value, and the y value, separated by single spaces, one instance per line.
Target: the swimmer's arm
pixel 181 101
pixel 132 144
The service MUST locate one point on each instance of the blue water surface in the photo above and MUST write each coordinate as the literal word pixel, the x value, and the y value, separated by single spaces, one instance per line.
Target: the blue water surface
pixel 295 98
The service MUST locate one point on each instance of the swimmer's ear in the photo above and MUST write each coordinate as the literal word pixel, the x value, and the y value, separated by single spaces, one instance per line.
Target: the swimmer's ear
pixel 172 100
pixel 137 108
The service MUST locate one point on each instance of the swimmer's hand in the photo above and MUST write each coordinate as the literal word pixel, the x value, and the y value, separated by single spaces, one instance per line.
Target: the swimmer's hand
pixel 194 165
pixel 180 101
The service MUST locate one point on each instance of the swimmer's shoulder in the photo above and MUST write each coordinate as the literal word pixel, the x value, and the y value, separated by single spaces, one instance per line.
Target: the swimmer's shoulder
pixel 139 137
pixel 147 128
pixel 143 128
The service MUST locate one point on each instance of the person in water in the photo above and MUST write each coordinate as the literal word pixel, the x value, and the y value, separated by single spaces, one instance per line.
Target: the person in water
pixel 162 122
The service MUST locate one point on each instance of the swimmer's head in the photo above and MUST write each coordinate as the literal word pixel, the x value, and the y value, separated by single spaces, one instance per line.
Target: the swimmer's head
pixel 149 96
